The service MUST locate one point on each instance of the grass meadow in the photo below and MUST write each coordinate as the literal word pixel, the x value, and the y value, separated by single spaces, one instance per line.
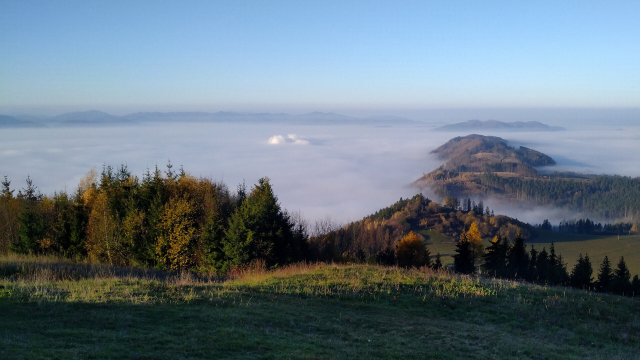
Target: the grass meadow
pixel 570 246
pixel 52 309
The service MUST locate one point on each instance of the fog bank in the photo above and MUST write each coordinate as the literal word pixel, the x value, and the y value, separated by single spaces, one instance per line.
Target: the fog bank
pixel 344 171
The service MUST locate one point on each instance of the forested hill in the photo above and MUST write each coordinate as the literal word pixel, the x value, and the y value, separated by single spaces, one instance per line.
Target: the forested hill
pixel 486 166
pixel 479 153
pixel 375 238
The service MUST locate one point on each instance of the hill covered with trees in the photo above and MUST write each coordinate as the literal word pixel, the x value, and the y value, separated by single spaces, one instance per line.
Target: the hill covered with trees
pixel 375 238
pixel 486 166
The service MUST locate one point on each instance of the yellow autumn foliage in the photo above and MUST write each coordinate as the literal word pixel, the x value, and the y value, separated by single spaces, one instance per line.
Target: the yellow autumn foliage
pixel 103 237
pixel 177 234
pixel 411 251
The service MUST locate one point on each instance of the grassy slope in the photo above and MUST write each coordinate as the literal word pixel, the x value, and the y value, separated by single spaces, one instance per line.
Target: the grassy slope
pixel 572 245
pixel 309 312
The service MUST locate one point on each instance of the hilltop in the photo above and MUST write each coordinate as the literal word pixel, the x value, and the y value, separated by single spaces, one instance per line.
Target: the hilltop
pixel 473 125
pixel 478 153
pixel 303 312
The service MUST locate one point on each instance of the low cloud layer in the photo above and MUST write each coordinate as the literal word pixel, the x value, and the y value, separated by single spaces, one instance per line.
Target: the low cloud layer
pixel 289 139
pixel 349 172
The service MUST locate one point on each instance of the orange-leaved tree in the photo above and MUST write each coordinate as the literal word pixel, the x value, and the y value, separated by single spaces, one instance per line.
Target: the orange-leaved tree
pixel 411 251
pixel 475 238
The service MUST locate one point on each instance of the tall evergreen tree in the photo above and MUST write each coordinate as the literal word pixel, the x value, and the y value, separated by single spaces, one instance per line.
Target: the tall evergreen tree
pixel 6 190
pixel 518 259
pixel 33 224
pixel 581 275
pixel 635 286
pixel 495 258
pixel 621 280
pixel 557 268
pixel 437 264
pixel 605 275
pixel 463 260
pixel 259 229
pixel 543 268
pixel 532 272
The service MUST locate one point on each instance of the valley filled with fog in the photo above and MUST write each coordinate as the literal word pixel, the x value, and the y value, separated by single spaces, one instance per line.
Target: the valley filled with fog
pixel 342 171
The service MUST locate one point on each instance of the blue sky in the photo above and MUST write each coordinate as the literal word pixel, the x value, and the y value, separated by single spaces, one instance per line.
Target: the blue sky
pixel 307 55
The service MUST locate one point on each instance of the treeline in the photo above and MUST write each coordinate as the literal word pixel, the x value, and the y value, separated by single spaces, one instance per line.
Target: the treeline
pixel 608 197
pixel 375 238
pixel 510 260
pixel 165 220
pixel 586 226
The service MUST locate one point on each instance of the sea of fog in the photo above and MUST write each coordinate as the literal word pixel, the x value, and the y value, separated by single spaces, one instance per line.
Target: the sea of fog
pixel 344 172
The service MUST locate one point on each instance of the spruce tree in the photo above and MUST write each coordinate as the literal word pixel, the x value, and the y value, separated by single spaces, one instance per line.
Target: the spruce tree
pixel 532 272
pixel 621 280
pixel 495 258
pixel 581 275
pixel 437 264
pixel 463 261
pixel 543 267
pixel 562 275
pixel 605 275
pixel 260 229
pixel 33 224
pixel 518 259
pixel 635 286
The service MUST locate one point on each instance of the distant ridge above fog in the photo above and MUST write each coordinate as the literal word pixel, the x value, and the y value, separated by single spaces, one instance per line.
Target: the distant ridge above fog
pixel 499 125
pixel 316 118
pixel 99 118
pixel 12 122
pixel 92 117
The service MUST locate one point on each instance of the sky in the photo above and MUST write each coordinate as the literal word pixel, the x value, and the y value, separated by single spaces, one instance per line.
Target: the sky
pixel 297 56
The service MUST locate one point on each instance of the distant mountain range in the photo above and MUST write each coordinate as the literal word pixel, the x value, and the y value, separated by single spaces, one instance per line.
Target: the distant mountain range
pixel 13 122
pixel 472 125
pixel 92 117
pixel 99 118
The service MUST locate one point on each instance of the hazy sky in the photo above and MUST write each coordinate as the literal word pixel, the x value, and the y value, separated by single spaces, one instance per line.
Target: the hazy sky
pixel 123 56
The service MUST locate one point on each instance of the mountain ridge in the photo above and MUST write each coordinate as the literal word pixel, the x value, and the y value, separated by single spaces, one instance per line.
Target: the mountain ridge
pixel 499 125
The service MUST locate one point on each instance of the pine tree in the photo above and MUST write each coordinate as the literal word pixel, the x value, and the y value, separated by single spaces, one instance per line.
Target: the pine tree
pixel 621 280
pixel 518 259
pixel 437 264
pixel 605 275
pixel 463 260
pixel 495 259
pixel 581 275
pixel 557 268
pixel 260 230
pixel 532 271
pixel 543 267
pixel 6 193
pixel 635 286
pixel 32 222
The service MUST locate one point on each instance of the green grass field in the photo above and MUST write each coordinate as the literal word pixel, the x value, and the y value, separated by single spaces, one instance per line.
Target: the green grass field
pixel 569 245
pixel 50 310
pixel 572 245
